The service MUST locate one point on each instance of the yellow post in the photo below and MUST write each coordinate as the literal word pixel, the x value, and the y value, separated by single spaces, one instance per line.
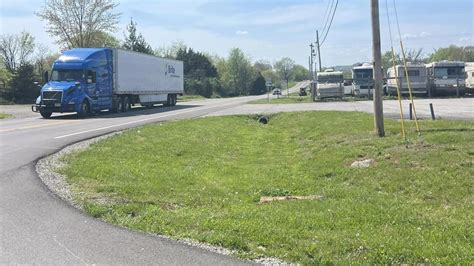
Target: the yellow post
pixel 399 95
pixel 409 87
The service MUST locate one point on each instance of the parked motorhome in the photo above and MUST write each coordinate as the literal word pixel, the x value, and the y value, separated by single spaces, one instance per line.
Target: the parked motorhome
pixel 416 74
pixel 363 80
pixel 330 84
pixel 469 68
pixel 446 78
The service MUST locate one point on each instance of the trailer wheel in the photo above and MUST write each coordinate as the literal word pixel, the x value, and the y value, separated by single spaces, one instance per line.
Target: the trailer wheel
pixel 46 114
pixel 85 109
pixel 125 104
pixel 174 99
pixel 168 100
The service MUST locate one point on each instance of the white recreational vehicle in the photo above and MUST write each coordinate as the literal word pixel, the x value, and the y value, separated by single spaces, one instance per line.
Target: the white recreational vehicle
pixel 416 74
pixel 469 68
pixel 446 78
pixel 330 84
pixel 363 80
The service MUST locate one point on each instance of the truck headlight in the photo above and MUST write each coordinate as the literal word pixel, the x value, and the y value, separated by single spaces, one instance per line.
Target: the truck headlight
pixel 38 100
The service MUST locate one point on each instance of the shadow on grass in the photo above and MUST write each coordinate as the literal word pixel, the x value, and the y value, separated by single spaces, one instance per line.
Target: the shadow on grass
pixel 449 130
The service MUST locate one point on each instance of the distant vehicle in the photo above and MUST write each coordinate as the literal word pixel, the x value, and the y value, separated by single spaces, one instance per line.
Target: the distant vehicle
pixel 276 91
pixel 329 84
pixel 302 92
pixel 446 78
pixel 363 80
pixel 348 87
pixel 86 80
pixel 416 74
pixel 469 68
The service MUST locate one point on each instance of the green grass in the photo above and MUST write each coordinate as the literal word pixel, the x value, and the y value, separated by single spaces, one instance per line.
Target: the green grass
pixel 203 178
pixel 188 98
pixel 3 115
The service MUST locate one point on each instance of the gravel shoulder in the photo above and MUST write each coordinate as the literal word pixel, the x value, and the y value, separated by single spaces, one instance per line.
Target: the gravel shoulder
pixel 18 111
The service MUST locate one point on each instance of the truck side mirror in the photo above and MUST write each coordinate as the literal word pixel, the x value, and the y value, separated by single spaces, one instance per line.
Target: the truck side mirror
pixel 46 77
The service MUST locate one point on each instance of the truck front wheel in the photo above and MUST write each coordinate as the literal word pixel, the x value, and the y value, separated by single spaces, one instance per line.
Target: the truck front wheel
pixel 46 114
pixel 85 109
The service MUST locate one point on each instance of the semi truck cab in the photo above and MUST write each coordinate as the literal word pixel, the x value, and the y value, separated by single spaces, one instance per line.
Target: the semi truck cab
pixel 88 80
pixel 80 81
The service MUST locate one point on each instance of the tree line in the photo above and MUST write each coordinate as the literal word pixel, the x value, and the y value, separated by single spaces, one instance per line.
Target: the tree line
pixel 416 56
pixel 91 23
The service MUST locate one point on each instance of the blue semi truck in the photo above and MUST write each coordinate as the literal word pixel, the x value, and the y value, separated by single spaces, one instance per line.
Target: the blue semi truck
pixel 89 80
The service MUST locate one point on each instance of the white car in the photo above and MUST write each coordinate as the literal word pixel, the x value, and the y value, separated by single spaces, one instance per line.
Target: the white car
pixel 276 92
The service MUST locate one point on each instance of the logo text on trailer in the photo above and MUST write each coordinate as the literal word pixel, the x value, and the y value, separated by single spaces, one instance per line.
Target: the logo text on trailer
pixel 171 71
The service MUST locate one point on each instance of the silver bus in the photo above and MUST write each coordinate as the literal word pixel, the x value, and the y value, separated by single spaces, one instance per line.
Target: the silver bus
pixel 363 80
pixel 330 84
pixel 446 78
pixel 416 74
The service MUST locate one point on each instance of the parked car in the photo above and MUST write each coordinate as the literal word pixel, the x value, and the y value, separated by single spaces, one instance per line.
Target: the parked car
pixel 303 92
pixel 276 91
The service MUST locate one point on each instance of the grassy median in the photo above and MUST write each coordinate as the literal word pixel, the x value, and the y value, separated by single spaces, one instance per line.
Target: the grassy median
pixel 204 179
pixel 3 115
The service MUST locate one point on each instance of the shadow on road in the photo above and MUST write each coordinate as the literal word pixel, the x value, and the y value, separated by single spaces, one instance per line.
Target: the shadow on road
pixel 134 111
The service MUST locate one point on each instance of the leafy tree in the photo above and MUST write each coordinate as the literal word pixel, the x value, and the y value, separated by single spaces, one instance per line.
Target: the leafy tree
pixel 262 65
pixel 16 50
pixel 5 79
pixel 200 75
pixel 136 42
pixel 414 56
pixel 259 85
pixel 22 85
pixel 170 51
pixel 238 73
pixel 104 39
pixel 272 76
pixel 300 73
pixel 453 52
pixel 76 23
pixel 284 68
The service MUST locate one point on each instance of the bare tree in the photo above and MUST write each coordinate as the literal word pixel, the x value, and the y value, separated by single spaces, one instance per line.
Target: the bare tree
pixel 75 23
pixel 15 50
pixel 284 68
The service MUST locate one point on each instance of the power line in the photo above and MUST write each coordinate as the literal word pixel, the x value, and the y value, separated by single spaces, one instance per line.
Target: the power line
pixel 327 14
pixel 329 28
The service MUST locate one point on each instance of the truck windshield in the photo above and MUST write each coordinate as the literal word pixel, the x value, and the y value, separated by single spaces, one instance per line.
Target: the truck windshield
pixel 363 73
pixel 330 79
pixel 440 72
pixel 66 75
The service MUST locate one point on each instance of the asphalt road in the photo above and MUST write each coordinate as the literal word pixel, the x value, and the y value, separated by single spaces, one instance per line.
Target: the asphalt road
pixel 37 227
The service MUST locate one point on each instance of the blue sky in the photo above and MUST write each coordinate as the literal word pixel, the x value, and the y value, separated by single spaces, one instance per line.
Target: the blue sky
pixel 271 29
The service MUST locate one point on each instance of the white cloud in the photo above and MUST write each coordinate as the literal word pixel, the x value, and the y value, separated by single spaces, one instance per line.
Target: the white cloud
pixel 241 32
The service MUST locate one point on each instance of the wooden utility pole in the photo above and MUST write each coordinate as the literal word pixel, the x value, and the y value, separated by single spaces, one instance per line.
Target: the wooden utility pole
pixel 378 79
pixel 311 61
pixel 319 52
